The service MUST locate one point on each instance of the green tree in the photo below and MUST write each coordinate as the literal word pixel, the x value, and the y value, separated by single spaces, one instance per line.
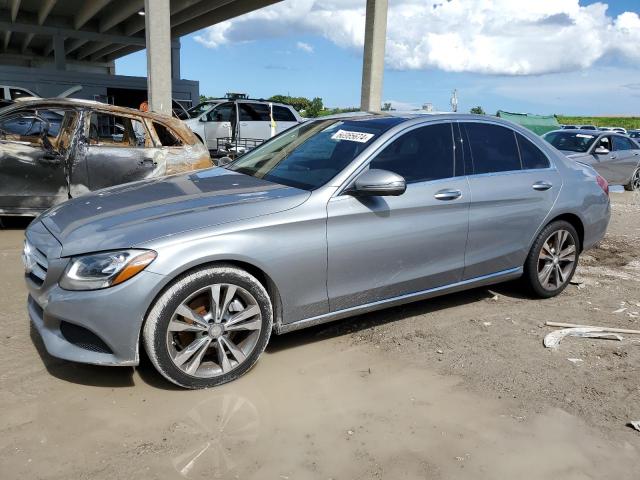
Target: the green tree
pixel 477 110
pixel 315 108
pixel 386 107
pixel 299 103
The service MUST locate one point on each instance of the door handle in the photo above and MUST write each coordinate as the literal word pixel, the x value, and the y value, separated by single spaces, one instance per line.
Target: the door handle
pixel 613 157
pixel 542 186
pixel 447 194
pixel 147 162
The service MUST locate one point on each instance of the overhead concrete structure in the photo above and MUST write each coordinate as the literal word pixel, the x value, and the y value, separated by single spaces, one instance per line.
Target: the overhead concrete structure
pixel 373 62
pixel 77 41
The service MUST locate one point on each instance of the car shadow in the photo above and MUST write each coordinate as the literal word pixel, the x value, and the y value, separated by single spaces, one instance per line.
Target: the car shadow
pixel 390 315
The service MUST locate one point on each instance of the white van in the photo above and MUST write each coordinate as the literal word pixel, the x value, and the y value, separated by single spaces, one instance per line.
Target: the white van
pixel 13 93
pixel 240 119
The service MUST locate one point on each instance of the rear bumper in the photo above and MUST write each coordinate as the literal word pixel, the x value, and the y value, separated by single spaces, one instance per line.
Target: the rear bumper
pixel 596 228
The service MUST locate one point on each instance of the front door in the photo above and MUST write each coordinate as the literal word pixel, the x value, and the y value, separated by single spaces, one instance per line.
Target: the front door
pixel 513 188
pixel 32 164
pixel 220 123
pixel 384 247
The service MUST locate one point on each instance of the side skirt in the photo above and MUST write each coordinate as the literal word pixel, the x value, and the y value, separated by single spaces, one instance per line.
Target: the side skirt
pixel 491 279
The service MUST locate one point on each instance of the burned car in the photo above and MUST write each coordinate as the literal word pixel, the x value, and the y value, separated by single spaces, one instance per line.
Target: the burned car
pixel 56 149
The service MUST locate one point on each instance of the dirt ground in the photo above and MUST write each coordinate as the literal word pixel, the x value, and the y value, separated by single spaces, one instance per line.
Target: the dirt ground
pixel 456 387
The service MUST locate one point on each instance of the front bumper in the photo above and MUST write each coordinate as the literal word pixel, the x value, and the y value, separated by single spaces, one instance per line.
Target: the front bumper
pixel 100 327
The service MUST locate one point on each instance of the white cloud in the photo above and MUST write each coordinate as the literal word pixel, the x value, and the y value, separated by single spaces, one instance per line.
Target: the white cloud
pixel 512 37
pixel 305 47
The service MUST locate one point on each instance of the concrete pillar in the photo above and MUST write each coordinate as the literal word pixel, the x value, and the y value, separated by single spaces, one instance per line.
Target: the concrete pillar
pixel 58 52
pixel 158 42
pixel 375 36
pixel 175 59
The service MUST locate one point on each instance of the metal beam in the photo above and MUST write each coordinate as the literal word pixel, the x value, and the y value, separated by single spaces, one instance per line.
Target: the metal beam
pixel 26 42
pixel 119 13
pixel 196 11
pixel 137 24
pixel 220 15
pixel 14 7
pixel 92 48
pixel 43 13
pixel 88 11
pixel 45 9
pixel 70 33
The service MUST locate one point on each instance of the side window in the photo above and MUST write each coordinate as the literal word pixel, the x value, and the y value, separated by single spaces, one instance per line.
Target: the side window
pixel 15 93
pixel 166 136
pixel 620 143
pixel 532 157
pixel 116 131
pixel 283 114
pixel 605 143
pixel 420 155
pixel 493 148
pixel 222 113
pixel 31 124
pixel 254 112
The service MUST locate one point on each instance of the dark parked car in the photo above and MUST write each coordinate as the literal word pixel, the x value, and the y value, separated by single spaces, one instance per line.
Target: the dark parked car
pixel 614 156
pixel 53 150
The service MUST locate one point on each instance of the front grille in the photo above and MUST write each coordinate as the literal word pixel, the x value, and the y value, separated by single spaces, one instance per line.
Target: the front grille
pixel 83 338
pixel 40 265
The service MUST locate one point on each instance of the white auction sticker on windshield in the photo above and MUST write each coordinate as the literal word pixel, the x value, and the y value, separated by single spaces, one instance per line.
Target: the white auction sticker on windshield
pixel 359 137
pixel 582 135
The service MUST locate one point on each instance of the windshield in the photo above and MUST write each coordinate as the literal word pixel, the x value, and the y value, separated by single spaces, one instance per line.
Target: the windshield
pixel 200 108
pixel 311 154
pixel 571 141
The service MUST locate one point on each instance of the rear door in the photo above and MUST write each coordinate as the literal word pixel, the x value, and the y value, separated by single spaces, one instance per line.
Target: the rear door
pixel 384 247
pixel 119 150
pixel 254 120
pixel 513 187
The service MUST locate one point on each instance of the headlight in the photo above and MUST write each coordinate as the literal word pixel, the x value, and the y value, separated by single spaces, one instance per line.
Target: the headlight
pixel 102 270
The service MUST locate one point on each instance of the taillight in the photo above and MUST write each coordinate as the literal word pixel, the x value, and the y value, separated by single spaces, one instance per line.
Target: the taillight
pixel 604 185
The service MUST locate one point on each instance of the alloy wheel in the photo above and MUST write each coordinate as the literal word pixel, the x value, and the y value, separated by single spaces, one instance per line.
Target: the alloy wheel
pixel 214 330
pixel 635 180
pixel 556 260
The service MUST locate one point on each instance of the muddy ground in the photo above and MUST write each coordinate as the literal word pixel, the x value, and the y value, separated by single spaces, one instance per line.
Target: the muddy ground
pixel 456 387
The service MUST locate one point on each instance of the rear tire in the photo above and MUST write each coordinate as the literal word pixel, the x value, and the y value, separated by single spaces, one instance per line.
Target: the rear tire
pixel 208 327
pixel 634 183
pixel 552 260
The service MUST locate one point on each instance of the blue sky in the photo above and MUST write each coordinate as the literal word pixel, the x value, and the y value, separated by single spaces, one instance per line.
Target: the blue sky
pixel 572 74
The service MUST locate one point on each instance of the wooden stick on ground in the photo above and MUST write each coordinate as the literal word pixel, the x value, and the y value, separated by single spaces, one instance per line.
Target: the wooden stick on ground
pixel 604 329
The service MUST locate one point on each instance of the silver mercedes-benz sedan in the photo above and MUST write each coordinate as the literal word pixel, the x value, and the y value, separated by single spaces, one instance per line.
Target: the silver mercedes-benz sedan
pixel 332 218
pixel 614 156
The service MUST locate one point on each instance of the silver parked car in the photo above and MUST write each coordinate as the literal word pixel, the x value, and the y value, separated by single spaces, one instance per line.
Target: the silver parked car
pixel 614 156
pixel 332 218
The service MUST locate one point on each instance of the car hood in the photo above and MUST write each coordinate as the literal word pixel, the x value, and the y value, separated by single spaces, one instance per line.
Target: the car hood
pixel 128 215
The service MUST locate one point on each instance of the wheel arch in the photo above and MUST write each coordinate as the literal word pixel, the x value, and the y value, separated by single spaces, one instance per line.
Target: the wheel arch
pixel 262 277
pixel 574 220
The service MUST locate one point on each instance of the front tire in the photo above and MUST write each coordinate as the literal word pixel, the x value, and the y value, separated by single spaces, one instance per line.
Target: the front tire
pixel 552 260
pixel 208 327
pixel 634 183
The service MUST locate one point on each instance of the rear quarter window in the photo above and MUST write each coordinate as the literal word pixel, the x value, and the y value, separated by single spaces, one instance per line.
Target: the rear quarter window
pixel 167 137
pixel 532 157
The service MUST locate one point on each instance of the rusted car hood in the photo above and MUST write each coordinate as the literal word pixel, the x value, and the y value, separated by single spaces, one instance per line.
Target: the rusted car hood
pixel 128 215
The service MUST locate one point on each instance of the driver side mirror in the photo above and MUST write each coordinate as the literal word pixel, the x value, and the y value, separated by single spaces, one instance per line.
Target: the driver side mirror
pixel 602 151
pixel 376 182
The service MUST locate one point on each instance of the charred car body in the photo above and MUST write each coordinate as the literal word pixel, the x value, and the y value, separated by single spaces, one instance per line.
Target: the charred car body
pixel 56 149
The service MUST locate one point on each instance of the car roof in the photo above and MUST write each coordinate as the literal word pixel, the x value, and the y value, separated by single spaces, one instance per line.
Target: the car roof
pixel 79 104
pixel 593 133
